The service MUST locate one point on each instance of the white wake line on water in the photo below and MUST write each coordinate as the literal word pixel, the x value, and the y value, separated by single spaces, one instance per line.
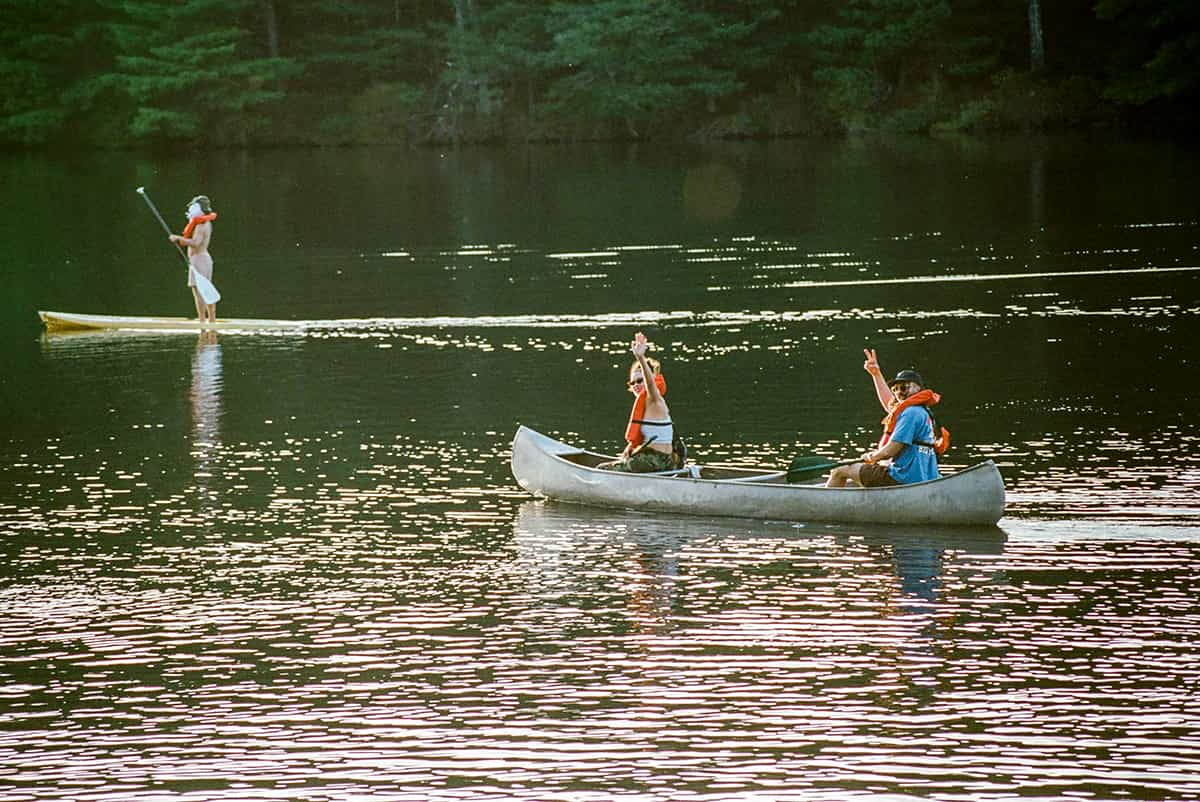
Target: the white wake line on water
pixel 951 278
pixel 507 321
pixel 1172 527
pixel 684 318
pixel 619 319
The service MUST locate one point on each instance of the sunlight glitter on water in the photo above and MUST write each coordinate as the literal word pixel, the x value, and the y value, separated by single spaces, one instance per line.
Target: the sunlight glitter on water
pixel 304 570
pixel 797 643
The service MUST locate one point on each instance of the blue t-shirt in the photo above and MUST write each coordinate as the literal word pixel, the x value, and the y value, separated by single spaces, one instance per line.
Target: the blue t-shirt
pixel 915 463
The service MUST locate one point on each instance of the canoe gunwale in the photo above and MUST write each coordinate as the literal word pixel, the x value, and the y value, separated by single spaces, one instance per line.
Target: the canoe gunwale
pixel 755 476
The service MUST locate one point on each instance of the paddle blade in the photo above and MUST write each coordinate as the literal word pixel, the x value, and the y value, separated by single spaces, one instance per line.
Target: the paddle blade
pixel 208 292
pixel 809 467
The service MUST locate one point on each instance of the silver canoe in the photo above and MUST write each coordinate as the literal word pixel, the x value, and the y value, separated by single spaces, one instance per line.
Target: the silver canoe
pixel 545 466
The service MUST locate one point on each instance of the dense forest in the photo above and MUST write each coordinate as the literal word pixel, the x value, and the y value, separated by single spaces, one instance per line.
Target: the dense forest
pixel 121 73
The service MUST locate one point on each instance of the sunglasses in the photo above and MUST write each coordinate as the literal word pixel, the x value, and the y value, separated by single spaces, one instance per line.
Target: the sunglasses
pixel 635 382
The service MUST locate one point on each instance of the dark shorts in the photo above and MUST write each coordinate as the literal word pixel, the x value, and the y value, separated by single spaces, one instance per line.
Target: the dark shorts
pixel 872 474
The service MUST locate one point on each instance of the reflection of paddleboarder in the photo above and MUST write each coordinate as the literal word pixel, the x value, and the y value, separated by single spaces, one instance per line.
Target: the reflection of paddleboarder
pixel 196 237
pixel 206 393
pixel 205 396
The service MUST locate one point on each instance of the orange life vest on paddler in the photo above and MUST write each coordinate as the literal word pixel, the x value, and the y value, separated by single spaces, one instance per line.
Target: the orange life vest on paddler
pixel 925 398
pixel 197 220
pixel 633 432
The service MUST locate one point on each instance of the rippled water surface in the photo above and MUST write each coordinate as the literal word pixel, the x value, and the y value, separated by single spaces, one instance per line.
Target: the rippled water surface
pixel 296 566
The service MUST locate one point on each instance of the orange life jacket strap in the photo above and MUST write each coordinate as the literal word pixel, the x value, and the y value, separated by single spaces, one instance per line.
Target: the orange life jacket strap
pixel 197 220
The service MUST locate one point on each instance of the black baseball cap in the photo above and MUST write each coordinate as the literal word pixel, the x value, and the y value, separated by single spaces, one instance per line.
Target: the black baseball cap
pixel 909 375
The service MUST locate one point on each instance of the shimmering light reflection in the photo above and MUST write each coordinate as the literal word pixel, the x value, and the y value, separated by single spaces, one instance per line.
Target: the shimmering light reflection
pixel 298 568
pixel 973 277
pixel 620 650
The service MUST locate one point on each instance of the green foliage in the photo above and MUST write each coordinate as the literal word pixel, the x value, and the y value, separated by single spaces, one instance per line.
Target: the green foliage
pixel 851 94
pixel 242 72
pixel 345 47
pixel 627 63
pixel 47 55
pixel 191 72
pixel 1019 100
pixel 932 105
pixel 898 64
pixel 383 113
pixel 1159 53
pixel 494 69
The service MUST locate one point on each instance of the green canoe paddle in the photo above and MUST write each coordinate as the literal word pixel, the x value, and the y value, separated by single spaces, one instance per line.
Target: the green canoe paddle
pixel 810 466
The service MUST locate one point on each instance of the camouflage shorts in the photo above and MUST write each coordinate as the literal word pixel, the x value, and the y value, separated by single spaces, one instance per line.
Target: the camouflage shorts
pixel 645 461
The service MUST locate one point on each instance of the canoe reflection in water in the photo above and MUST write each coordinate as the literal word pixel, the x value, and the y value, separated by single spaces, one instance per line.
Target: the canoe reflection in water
pixel 667 566
pixel 919 557
pixel 634 559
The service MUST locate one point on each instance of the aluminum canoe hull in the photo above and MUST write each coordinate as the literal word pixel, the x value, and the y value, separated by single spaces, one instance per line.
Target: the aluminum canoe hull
pixel 557 470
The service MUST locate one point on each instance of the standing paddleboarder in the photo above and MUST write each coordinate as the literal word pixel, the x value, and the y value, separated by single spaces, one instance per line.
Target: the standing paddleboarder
pixel 196 237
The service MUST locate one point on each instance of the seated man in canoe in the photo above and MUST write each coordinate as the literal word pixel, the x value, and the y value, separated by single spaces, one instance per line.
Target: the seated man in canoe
pixel 650 432
pixel 908 451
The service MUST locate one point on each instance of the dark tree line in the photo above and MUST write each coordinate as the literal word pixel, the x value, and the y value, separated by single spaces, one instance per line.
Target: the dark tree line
pixel 114 73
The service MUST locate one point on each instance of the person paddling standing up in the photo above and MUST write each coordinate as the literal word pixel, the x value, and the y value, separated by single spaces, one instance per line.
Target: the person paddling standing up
pixel 196 237
pixel 908 451
pixel 650 432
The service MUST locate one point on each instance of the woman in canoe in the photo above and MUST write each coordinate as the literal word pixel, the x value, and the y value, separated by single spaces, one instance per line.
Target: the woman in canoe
pixel 907 452
pixel 196 237
pixel 649 434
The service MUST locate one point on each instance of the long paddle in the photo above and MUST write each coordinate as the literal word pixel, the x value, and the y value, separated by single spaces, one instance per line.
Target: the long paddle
pixel 810 466
pixel 205 287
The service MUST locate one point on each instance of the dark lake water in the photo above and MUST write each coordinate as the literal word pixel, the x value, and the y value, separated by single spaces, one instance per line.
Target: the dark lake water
pixel 297 567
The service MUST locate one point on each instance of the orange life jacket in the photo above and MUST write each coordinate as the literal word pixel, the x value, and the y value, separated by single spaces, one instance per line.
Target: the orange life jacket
pixel 633 432
pixel 925 398
pixel 197 220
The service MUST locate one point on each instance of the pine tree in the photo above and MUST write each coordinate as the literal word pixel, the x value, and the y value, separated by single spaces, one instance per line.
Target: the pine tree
pixel 1157 56
pixel 496 68
pixel 196 70
pixel 625 64
pixel 902 57
pixel 50 58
